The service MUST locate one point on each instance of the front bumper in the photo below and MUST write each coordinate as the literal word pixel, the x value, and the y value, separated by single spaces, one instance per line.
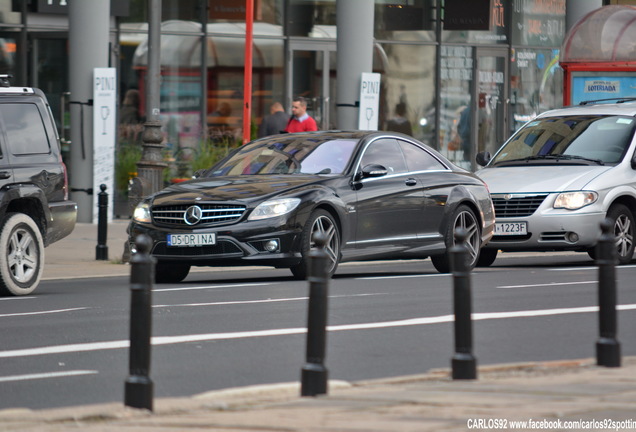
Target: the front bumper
pixel 238 245
pixel 552 232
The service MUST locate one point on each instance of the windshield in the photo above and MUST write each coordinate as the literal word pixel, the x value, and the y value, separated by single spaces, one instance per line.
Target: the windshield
pixel 288 156
pixel 580 139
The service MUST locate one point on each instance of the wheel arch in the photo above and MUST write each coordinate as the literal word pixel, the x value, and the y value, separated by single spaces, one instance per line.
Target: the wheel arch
pixel 462 196
pixel 627 200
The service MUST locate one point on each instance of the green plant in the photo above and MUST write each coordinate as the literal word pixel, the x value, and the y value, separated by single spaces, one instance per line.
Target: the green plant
pixel 210 152
pixel 126 157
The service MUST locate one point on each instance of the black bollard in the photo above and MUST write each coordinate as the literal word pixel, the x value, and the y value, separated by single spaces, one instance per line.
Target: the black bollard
pixel 139 387
pixel 608 349
pixel 464 364
pixel 101 250
pixel 314 373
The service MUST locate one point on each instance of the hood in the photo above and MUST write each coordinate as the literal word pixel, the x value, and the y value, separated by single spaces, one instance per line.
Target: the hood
pixel 539 178
pixel 236 188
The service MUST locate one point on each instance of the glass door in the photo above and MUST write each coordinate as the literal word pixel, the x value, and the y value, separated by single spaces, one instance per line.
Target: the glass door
pixel 491 99
pixel 312 73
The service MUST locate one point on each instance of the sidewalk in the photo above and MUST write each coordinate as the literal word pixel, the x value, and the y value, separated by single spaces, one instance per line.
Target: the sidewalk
pixel 546 396
pixel 568 395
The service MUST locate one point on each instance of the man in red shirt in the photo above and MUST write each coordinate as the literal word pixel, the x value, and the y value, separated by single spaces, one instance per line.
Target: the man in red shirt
pixel 300 121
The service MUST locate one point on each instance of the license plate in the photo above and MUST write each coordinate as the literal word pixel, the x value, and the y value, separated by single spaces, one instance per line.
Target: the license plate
pixel 190 240
pixel 511 228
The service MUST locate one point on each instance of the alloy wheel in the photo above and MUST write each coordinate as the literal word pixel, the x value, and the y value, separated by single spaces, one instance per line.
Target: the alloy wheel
pixel 325 226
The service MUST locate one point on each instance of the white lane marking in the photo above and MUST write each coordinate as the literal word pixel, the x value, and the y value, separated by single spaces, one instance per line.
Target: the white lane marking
pixel 238 302
pixel 169 340
pixel 41 312
pixel 47 375
pixel 17 298
pixel 547 284
pixel 209 287
pixel 402 276
pixel 589 268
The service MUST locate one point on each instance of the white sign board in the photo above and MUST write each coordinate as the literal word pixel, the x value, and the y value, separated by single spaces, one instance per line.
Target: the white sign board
pixel 104 135
pixel 369 101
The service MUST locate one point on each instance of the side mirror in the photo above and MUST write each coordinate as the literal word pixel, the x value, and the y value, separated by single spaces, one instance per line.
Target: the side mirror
pixel 374 170
pixel 483 158
pixel 633 161
pixel 198 173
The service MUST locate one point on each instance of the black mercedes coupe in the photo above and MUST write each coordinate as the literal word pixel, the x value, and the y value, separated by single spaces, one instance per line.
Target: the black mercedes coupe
pixel 374 195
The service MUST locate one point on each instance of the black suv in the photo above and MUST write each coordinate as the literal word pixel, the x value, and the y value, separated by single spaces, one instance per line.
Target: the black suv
pixel 34 206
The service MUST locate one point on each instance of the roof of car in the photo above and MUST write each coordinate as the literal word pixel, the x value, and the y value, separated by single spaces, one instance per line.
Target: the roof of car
pixel 627 108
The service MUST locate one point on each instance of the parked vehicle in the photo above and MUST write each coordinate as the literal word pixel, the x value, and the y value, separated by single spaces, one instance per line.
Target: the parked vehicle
pixel 374 195
pixel 34 207
pixel 559 176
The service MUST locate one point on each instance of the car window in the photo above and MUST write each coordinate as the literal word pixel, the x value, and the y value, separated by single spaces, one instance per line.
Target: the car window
pixel 289 155
pixel 419 159
pixel 24 129
pixel 385 152
pixel 602 138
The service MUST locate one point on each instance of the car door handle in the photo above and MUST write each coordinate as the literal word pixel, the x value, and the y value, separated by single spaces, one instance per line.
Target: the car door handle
pixel 5 175
pixel 410 182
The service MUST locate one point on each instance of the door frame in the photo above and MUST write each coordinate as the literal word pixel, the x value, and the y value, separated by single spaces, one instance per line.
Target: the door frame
pixel 324 46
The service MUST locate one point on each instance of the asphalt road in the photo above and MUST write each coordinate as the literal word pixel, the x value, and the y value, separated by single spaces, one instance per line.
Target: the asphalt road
pixel 67 344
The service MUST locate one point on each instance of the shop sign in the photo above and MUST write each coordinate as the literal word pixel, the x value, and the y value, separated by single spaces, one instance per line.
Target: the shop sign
pixel 60 7
pixel 538 22
pixel 369 101
pixel 467 15
pixel 104 133
pixel 594 86
pixel 231 10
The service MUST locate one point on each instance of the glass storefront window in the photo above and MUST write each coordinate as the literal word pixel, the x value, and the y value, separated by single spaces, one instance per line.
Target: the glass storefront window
pixel 536 84
pixel 455 115
pixel 408 95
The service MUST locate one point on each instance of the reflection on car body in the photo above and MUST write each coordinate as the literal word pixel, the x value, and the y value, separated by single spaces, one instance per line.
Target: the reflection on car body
pixel 374 195
pixel 559 176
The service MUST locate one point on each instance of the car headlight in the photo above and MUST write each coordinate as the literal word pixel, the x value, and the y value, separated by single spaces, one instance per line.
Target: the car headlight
pixel 575 200
pixel 273 208
pixel 142 212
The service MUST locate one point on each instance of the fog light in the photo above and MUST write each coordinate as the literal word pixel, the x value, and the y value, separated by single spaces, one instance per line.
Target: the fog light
pixel 573 237
pixel 271 245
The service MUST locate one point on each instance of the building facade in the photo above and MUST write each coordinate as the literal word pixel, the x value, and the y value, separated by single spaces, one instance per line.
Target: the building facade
pixel 445 78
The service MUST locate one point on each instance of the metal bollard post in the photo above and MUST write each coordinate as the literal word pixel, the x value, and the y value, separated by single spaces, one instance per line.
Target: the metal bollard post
pixel 314 373
pixel 139 386
pixel 464 364
pixel 101 250
pixel 608 349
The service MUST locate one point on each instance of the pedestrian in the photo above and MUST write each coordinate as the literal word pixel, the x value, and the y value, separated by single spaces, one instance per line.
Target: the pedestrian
pixel 399 123
pixel 300 120
pixel 130 126
pixel 275 122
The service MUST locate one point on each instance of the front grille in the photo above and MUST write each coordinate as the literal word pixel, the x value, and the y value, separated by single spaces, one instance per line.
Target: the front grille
pixel 516 205
pixel 211 214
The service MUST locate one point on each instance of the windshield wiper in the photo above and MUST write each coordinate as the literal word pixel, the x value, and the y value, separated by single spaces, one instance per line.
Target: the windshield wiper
pixel 555 157
pixel 577 157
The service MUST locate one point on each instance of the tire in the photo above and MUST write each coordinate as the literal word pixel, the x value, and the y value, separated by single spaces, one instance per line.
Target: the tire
pixel 486 257
pixel 624 229
pixel 22 257
pixel 320 221
pixel 167 272
pixel 463 217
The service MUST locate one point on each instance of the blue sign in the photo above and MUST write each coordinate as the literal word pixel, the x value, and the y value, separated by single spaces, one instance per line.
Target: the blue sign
pixel 609 86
